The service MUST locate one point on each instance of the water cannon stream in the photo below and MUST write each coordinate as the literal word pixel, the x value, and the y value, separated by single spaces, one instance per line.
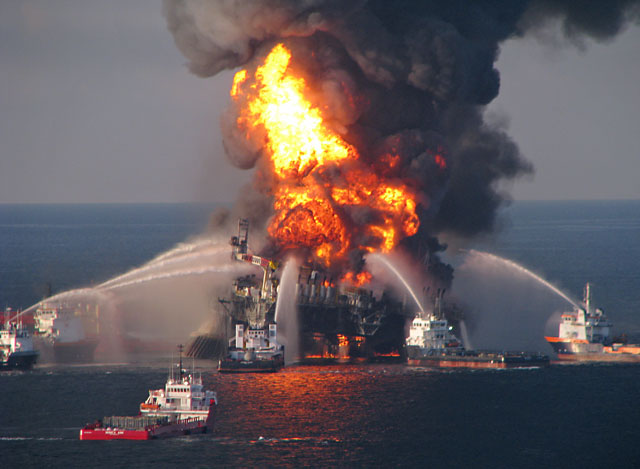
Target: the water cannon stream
pixel 381 258
pixel 523 270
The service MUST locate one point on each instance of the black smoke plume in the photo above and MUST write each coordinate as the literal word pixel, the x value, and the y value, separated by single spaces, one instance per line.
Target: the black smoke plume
pixel 407 75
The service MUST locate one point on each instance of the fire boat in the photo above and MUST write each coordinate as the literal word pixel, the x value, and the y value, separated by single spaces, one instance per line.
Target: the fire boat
pixel 585 335
pixel 432 343
pixel 182 407
pixel 16 345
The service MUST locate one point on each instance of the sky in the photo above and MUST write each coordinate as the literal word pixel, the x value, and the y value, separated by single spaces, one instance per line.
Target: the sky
pixel 96 106
pixel 575 115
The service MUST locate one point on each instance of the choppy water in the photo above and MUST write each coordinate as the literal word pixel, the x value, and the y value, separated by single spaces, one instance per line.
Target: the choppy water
pixel 349 416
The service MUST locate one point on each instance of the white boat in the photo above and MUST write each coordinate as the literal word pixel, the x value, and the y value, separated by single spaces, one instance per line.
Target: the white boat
pixel 585 335
pixel 432 343
pixel 16 347
pixel 431 335
pixel 253 350
pixel 182 407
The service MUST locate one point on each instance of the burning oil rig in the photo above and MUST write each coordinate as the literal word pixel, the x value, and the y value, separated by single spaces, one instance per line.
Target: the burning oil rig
pixel 336 321
pixel 356 152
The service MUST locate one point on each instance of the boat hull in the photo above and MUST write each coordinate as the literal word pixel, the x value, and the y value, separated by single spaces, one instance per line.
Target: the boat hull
pixel 250 366
pixel 495 360
pixel 582 351
pixel 148 426
pixel 70 352
pixel 19 361
pixel 452 363
pixel 162 431
pixel 599 357
pixel 65 352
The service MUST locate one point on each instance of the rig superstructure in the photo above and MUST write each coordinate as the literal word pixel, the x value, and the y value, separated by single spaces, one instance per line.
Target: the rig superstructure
pixel 255 345
pixel 335 320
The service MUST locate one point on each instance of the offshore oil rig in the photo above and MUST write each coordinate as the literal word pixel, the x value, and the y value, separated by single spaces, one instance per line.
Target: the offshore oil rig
pixel 255 346
pixel 336 321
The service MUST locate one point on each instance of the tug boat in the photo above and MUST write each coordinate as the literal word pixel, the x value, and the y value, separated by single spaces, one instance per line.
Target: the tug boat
pixel 431 343
pixel 183 407
pixel 585 335
pixel 16 346
pixel 254 351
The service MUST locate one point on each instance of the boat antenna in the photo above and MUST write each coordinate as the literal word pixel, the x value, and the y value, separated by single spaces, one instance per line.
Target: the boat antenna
pixel 587 297
pixel 171 367
pixel 180 347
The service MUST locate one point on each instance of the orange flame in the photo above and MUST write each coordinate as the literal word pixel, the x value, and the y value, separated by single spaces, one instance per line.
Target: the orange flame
pixel 357 280
pixel 311 207
pixel 440 161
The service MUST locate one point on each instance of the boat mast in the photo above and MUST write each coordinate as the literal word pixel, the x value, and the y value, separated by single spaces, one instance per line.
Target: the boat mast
pixel 438 302
pixel 180 348
pixel 587 297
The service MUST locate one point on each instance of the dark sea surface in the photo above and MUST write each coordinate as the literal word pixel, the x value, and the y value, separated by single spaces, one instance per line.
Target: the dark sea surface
pixel 335 416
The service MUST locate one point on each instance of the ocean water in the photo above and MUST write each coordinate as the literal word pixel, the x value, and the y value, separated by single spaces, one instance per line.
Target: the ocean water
pixel 337 416
pixel 59 247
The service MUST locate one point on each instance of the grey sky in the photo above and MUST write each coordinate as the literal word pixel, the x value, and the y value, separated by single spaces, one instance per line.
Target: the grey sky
pixel 97 106
pixel 575 115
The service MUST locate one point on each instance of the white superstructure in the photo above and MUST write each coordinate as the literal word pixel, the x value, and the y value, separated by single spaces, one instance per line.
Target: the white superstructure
pixel 255 343
pixel 182 398
pixel 432 334
pixel 588 323
pixel 58 324
pixel 16 346
pixel 15 338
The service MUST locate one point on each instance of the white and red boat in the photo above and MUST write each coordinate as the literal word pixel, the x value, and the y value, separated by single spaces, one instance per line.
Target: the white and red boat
pixel 183 407
pixel 432 343
pixel 584 335
pixel 16 346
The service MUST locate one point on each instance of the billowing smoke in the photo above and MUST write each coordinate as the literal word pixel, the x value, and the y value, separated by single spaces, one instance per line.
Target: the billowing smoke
pixel 405 80
pixel 600 21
